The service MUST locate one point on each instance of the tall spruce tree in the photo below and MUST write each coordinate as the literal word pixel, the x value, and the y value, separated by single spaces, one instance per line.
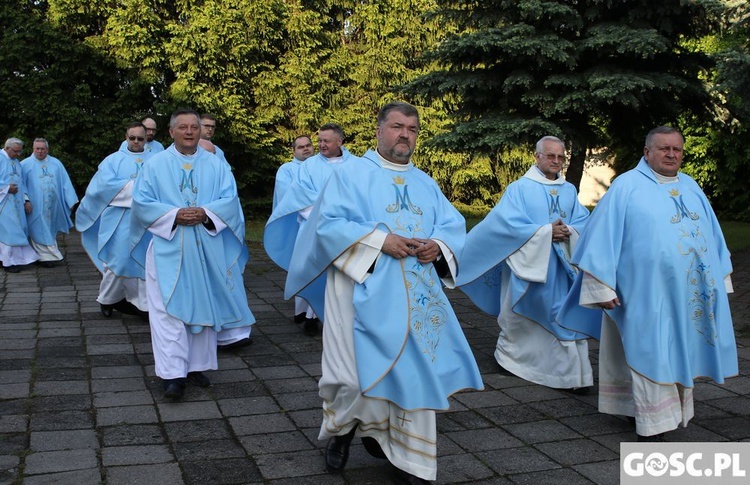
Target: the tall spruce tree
pixel 597 73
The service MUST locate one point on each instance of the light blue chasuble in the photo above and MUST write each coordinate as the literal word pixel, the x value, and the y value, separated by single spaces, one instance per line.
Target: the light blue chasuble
pixel 284 177
pixel 527 205
pixel 660 247
pixel 199 273
pixel 150 147
pixel 52 196
pixel 105 228
pixel 13 228
pixel 409 346
pixel 282 227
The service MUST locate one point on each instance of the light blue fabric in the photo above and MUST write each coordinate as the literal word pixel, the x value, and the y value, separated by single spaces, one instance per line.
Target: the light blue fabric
pixel 13 226
pixel 150 147
pixel 662 250
pixel 52 196
pixel 284 177
pixel 105 229
pixel 409 345
pixel 282 227
pixel 199 274
pixel 526 206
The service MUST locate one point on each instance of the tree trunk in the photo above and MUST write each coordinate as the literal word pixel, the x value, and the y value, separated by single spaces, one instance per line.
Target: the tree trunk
pixel 574 173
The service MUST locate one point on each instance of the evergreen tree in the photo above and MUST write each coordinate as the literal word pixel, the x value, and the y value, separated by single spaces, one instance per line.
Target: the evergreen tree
pixel 596 73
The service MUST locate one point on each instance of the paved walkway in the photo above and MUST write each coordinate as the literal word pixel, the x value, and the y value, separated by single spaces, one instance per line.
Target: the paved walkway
pixel 79 403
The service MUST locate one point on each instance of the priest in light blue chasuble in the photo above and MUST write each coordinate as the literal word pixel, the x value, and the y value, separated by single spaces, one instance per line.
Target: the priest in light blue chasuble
pixel 188 232
pixel 656 270
pixel 103 218
pixel 15 250
pixel 381 241
pixel 52 197
pixel 291 212
pixel 516 265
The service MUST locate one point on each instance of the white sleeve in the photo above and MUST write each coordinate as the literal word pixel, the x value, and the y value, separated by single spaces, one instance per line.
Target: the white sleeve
pixel 594 291
pixel 359 257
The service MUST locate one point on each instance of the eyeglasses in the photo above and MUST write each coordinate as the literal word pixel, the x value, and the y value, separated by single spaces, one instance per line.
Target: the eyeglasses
pixel 209 126
pixel 151 129
pixel 133 138
pixel 551 157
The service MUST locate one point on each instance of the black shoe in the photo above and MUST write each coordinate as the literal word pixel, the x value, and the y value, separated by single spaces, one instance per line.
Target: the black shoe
pixel 299 318
pixel 631 420
pixel 657 438
pixel 236 345
pixel 337 451
pixel 174 389
pixel 106 309
pixel 373 447
pixel 311 327
pixel 198 379
pixel 403 478
pixel 124 306
pixel 12 269
pixel 578 391
pixel 503 371
pixel 46 264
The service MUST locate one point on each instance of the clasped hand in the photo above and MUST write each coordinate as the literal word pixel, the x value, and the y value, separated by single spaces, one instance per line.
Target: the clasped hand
pixel 190 216
pixel 399 247
pixel 560 231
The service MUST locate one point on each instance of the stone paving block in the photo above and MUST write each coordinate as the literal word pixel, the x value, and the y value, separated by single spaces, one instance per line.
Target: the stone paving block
pixel 517 460
pixel 59 461
pixel 262 423
pixel 46 421
pixel 308 418
pixel 14 391
pixel 126 414
pixel 51 404
pixel 602 473
pixel 596 424
pixel 20 334
pixel 13 423
pixel 562 408
pixel 200 430
pixel 78 477
pixel 471 420
pixel 248 406
pixel 126 398
pixel 188 411
pixel 258 444
pixel 576 451
pixel 221 472
pixel 105 349
pixel 462 468
pixel 231 375
pixel 528 394
pixel 108 339
pixel 118 385
pixel 17 344
pixel 612 441
pixel 734 428
pixel 208 450
pixel 106 330
pixel 58 388
pixel 300 384
pixel 136 455
pixel 300 400
pixel 502 415
pixel 279 372
pixel 19 355
pixel 114 360
pixel 59 332
pixel 568 476
pixel 484 399
pixel 63 440
pixel 61 374
pixel 57 324
pixel 132 434
pixel 484 439
pixel 163 474
pixel 289 465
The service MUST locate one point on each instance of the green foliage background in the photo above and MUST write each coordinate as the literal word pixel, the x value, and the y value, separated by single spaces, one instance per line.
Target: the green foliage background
pixel 489 78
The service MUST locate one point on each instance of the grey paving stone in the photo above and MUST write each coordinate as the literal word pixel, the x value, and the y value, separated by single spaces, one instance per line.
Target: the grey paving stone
pixel 262 423
pixel 295 401
pixel 106 349
pixel 484 439
pixel 562 408
pixel 484 399
pixel 308 418
pixel 275 442
pixel 13 444
pixel 76 402
pixel 163 474
pixel 576 451
pixel 59 461
pixel 208 450
pixel 200 430
pixel 118 385
pixel 136 455
pixel 78 477
pixel 64 440
pixel 58 388
pixel 462 468
pixel 289 465
pixel 300 384
pixel 602 473
pixel 126 398
pixel 248 405
pixel 568 476
pixel 502 415
pixel 222 472
pixel 279 372
pixel 126 415
pixel 517 460
pixel 47 421
pixel 13 423
pixel 132 434
pixel 188 411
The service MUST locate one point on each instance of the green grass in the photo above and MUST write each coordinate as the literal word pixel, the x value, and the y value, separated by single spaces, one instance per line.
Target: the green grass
pixel 737 234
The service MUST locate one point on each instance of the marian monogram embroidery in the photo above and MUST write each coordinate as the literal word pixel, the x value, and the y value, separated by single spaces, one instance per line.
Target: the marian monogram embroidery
pixel 187 187
pixel 403 201
pixel 682 210
pixel 554 203
pixel 428 312
pixel 700 283
pixel 138 167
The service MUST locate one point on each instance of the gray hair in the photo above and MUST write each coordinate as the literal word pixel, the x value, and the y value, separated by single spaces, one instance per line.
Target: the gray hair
pixel 541 141
pixel 42 140
pixel 13 141
pixel 405 109
pixel 662 130
pixel 179 112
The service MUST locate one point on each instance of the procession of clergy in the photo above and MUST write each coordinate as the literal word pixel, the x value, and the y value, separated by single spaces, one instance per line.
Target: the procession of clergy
pixel 369 243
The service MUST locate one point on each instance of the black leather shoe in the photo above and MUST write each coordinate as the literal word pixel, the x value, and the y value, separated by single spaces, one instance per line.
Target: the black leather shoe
pixel 578 391
pixel 401 477
pixel 236 345
pixel 198 379
pixel 174 389
pixel 46 264
pixel 373 447
pixel 311 327
pixel 299 318
pixel 12 269
pixel 337 451
pixel 106 309
pixel 657 438
pixel 124 306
